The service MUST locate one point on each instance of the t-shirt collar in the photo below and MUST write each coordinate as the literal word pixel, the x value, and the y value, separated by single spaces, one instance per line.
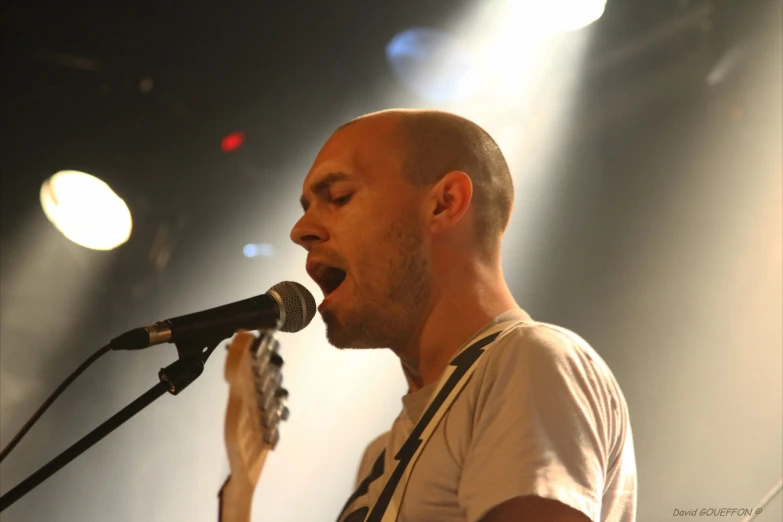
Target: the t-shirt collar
pixel 413 404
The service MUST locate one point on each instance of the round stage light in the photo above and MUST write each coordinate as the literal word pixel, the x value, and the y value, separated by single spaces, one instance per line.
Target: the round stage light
pixel 432 64
pixel 576 14
pixel 86 210
pixel 233 141
pixel 258 250
pixel 554 15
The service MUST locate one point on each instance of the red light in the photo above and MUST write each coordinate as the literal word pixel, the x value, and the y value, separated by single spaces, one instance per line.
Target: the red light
pixel 233 141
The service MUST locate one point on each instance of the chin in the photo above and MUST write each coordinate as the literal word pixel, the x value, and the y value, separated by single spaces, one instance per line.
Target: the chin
pixel 340 338
pixel 336 333
pixel 345 336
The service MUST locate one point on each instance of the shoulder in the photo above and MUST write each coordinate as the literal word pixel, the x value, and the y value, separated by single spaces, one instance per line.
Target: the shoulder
pixel 550 366
pixel 531 347
pixel 547 419
pixel 378 443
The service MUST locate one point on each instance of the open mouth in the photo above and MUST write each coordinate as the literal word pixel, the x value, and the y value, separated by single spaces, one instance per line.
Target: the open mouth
pixel 329 278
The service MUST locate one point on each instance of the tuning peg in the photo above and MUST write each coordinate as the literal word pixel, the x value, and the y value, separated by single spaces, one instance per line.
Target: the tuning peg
pixel 276 360
pixel 265 345
pixel 267 403
pixel 270 418
pixel 281 395
pixel 272 436
pixel 271 382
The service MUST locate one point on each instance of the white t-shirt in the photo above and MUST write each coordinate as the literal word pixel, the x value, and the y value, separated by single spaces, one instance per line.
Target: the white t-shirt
pixel 542 415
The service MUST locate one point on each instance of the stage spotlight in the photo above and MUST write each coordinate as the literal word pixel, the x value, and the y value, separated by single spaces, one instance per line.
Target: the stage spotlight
pixel 258 249
pixel 432 64
pixel 86 210
pixel 554 15
pixel 580 13
pixel 233 141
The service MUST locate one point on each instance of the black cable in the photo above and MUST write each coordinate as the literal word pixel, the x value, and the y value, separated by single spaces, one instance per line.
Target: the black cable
pixel 94 357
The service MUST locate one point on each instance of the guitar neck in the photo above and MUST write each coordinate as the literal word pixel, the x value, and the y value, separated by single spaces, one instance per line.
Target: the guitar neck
pixel 236 501
pixel 236 495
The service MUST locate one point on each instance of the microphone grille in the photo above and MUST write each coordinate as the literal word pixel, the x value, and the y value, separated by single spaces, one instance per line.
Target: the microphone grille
pixel 299 305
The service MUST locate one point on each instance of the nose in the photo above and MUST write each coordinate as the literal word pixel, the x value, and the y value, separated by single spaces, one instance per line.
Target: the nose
pixel 307 232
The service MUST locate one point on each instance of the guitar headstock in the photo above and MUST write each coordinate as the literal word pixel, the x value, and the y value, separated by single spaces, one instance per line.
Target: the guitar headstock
pixel 256 405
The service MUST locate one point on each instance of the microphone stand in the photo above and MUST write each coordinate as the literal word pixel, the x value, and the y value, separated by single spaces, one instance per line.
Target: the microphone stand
pixel 173 379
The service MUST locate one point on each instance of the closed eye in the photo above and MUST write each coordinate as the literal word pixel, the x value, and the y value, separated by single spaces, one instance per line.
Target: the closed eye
pixel 342 200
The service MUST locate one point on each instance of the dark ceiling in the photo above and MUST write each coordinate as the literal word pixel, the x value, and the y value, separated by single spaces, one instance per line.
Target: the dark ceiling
pixel 285 73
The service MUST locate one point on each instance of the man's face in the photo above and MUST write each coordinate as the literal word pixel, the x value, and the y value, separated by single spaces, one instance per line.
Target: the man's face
pixel 364 219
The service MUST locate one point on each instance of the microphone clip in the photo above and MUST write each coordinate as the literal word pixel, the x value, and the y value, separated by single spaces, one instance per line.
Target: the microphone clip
pixel 192 357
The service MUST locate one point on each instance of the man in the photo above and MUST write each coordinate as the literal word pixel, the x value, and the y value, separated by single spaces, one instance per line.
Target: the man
pixel 404 212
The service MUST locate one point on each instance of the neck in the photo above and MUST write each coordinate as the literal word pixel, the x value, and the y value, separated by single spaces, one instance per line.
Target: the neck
pixel 457 312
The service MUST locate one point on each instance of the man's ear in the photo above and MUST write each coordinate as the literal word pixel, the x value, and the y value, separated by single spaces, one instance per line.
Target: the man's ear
pixel 450 200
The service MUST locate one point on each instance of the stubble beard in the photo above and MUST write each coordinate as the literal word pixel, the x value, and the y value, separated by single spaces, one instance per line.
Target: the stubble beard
pixel 388 313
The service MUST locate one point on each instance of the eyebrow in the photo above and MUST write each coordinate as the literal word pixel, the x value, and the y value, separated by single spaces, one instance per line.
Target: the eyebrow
pixel 323 185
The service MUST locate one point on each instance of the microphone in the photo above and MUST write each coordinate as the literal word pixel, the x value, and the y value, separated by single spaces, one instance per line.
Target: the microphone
pixel 287 307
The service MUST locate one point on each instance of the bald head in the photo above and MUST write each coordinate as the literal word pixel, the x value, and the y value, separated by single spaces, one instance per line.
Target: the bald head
pixel 434 143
